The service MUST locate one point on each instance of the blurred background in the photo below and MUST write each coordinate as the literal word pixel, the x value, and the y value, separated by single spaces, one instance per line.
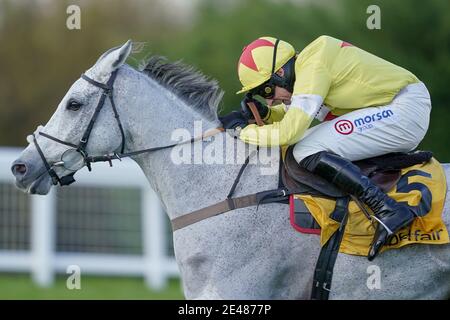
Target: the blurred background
pixel 109 228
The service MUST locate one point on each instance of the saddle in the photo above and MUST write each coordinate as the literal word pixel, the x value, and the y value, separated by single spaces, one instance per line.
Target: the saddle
pixel 383 170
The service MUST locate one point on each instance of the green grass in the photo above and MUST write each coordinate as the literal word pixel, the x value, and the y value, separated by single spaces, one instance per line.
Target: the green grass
pixel 20 286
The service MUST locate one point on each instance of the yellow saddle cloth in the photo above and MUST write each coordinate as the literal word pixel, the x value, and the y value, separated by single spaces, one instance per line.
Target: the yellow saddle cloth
pixel 423 186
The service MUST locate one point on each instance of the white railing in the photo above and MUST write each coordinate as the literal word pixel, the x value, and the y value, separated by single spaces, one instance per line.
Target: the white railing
pixel 43 261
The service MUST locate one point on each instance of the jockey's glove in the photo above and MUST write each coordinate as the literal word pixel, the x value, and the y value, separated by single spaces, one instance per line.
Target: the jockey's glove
pixel 247 113
pixel 234 121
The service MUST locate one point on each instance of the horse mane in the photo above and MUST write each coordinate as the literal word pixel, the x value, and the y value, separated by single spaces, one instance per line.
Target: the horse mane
pixel 193 87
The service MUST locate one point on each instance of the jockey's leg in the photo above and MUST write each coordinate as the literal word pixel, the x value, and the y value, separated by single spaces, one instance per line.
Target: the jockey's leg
pixel 327 149
pixel 391 215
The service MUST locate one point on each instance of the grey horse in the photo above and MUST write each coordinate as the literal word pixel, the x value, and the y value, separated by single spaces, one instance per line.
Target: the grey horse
pixel 249 253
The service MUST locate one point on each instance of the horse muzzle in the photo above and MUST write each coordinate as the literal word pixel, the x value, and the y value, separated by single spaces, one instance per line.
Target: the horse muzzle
pixel 31 178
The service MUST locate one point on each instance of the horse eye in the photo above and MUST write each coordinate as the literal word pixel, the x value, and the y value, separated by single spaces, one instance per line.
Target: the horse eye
pixel 74 105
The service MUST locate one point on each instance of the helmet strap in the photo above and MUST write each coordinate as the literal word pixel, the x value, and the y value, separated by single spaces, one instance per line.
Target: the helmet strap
pixel 287 81
pixel 274 57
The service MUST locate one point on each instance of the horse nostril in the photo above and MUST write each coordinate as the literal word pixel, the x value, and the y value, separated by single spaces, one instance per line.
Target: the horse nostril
pixel 19 169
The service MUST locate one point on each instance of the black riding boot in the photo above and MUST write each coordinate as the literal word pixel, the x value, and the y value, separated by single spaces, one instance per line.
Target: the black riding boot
pixel 391 215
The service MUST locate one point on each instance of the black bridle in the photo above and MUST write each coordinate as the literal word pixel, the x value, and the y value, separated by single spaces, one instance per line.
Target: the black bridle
pixel 82 144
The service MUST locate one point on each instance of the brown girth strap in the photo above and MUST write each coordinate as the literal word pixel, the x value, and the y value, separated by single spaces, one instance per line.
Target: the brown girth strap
pixel 280 195
pixel 213 210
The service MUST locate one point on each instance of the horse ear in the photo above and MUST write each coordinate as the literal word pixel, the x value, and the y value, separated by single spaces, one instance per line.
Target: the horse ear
pixel 119 56
pixel 113 58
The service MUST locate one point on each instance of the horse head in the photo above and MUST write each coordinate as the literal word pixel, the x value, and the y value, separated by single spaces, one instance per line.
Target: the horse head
pixel 46 160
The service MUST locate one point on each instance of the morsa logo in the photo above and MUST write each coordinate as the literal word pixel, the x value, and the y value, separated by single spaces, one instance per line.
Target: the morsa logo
pixel 346 127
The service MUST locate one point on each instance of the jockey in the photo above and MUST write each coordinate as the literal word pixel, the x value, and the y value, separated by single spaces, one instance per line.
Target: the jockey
pixel 368 106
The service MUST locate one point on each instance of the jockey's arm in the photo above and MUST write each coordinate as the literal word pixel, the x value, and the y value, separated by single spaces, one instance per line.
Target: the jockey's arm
pixel 290 128
pixel 276 114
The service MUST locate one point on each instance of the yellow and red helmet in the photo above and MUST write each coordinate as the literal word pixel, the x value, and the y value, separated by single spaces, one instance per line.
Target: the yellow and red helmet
pixel 256 64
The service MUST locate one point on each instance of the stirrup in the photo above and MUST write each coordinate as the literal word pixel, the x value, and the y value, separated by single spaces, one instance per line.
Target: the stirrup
pixel 383 225
pixel 366 213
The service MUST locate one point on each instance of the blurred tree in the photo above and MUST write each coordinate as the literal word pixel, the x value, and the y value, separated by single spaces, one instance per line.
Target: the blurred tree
pixel 40 58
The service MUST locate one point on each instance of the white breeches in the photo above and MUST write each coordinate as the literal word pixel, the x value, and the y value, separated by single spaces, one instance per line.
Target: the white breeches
pixel 397 127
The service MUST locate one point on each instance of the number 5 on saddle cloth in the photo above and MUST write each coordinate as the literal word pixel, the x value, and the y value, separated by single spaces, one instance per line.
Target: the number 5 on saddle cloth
pixel 414 178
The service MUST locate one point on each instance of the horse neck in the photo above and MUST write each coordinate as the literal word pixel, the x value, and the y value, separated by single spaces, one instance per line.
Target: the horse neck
pixel 189 186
